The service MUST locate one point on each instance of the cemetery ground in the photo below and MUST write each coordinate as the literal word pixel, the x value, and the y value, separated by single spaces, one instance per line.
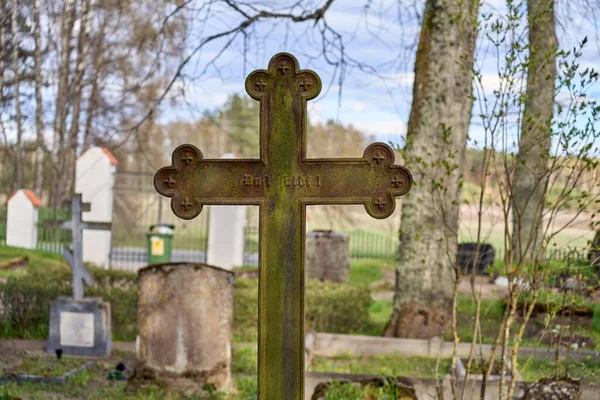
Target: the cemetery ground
pixel 361 307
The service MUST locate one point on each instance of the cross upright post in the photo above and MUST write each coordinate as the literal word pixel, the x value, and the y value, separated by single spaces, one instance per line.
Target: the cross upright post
pixel 282 182
pixel 74 255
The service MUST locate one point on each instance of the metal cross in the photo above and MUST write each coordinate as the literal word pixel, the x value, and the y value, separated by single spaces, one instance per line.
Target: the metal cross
pixel 282 182
pixel 74 255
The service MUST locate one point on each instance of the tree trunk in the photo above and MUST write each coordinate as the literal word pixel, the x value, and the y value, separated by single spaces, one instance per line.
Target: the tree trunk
pixel 436 139
pixel 19 167
pixel 76 93
pixel 39 111
pixel 60 114
pixel 531 173
pixel 98 47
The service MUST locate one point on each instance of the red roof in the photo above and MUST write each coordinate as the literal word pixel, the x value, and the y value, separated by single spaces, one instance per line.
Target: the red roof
pixel 113 160
pixel 35 201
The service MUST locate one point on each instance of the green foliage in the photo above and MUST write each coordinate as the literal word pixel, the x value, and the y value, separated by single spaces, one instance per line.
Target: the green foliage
pixel 37 258
pixel 329 307
pixel 26 305
pixel 367 271
pixel 48 366
pixel 534 369
pixel 247 387
pixel 123 309
pixel 337 308
pixel 244 360
pixel 245 316
pixel 353 391
pixel 27 297
pixel 596 318
pixel 239 121
pixel 379 315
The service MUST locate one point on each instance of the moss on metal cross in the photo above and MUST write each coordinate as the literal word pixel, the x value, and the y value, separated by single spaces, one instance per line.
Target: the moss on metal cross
pixel 282 182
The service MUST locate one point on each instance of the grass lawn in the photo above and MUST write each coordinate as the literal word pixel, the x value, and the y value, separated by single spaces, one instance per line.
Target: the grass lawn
pixel 36 257
pixel 46 366
pixel 418 367
pixel 534 369
pixel 368 271
pixel 93 384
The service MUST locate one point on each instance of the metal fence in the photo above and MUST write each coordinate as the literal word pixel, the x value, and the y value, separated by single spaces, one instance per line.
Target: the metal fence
pixel 136 207
pixel 49 235
pixel 49 238
pixel 379 245
pixel 366 244
pixel 363 244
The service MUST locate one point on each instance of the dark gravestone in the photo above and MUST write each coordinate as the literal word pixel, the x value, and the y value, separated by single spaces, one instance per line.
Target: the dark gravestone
pixel 80 327
pixel 328 256
pixel 471 258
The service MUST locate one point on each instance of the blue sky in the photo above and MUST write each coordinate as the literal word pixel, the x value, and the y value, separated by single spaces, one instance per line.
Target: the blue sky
pixel 383 37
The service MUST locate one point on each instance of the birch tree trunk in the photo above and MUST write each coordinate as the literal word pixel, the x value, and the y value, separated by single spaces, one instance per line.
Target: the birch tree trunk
pixel 434 151
pixel 39 110
pixel 98 66
pixel 16 86
pixel 77 89
pixel 60 114
pixel 531 174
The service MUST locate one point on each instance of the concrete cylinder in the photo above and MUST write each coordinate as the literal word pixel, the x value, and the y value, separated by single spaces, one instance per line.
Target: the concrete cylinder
pixel 185 315
pixel 328 256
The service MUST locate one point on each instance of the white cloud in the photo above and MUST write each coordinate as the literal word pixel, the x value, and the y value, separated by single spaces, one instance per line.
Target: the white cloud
pixel 358 106
pixel 384 127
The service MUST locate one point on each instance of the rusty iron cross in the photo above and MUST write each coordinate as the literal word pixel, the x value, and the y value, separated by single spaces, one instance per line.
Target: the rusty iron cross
pixel 282 182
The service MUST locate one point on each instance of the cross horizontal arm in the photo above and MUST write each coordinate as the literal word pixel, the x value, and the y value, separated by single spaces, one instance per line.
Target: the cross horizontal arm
pixel 372 180
pixel 68 225
pixel 96 226
pixel 192 181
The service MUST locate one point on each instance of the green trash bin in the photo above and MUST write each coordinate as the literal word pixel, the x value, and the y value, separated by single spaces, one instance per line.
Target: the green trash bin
pixel 160 240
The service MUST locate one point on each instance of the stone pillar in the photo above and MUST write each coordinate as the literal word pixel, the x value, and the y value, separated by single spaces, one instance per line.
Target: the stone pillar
pixel 185 315
pixel 95 179
pixel 226 225
pixel 327 256
pixel 22 219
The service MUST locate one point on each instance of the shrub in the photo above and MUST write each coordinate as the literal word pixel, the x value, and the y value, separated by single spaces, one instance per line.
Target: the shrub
pixel 112 278
pixel 329 307
pixel 245 316
pixel 25 300
pixel 337 308
pixel 25 306
pixel 123 310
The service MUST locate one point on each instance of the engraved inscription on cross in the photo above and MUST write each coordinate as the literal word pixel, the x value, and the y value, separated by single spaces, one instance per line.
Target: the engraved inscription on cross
pixel 74 255
pixel 282 182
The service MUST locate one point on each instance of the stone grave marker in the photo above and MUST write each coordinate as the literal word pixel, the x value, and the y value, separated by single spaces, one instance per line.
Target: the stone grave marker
pixel 328 256
pixel 282 182
pixel 79 325
pixel 22 219
pixel 184 342
pixel 95 180
pixel 226 226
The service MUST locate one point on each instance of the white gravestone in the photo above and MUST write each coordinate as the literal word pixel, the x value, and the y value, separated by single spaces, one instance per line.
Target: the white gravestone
pixel 22 219
pixel 95 177
pixel 226 225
